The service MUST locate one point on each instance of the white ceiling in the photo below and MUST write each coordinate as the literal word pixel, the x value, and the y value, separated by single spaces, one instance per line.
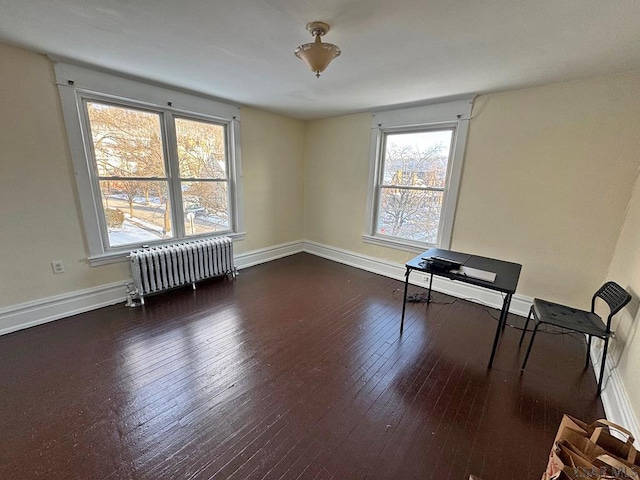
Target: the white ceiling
pixel 393 51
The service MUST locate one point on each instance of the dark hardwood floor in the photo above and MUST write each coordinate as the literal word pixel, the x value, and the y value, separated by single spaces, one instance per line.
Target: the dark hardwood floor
pixel 294 370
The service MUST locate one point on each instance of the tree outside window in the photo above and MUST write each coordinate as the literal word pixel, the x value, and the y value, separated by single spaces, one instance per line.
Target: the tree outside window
pixel 140 197
pixel 413 183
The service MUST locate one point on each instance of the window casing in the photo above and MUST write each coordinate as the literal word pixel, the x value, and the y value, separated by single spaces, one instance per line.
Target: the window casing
pixel 149 171
pixel 416 163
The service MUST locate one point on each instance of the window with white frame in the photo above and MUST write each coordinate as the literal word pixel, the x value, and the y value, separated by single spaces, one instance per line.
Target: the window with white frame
pixel 149 173
pixel 416 165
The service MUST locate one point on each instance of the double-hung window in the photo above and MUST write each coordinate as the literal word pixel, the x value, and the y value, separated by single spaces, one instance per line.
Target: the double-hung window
pixel 416 165
pixel 149 171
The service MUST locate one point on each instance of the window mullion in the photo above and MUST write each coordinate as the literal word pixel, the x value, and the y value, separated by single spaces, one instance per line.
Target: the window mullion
pixel 137 179
pixel 173 171
pixel 408 187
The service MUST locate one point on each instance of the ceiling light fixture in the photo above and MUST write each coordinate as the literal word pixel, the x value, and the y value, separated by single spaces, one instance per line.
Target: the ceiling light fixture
pixel 317 55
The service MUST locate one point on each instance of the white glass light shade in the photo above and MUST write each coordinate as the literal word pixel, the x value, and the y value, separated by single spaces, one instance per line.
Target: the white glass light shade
pixel 317 55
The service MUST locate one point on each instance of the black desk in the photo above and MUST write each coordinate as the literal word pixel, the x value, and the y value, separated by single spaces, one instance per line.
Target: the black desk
pixel 506 281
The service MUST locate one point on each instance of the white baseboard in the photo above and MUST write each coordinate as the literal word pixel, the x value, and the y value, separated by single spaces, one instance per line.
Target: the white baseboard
pixel 616 402
pixel 37 312
pixel 519 303
pixel 48 309
pixel 263 255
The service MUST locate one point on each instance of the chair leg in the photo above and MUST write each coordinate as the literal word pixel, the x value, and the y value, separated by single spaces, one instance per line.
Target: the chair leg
pixel 586 362
pixel 603 363
pixel 526 357
pixel 526 324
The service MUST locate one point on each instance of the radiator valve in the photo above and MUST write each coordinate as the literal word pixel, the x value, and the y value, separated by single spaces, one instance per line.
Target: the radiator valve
pixel 133 297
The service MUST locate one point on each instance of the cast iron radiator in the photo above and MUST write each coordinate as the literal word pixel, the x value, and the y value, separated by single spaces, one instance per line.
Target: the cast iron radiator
pixel 156 269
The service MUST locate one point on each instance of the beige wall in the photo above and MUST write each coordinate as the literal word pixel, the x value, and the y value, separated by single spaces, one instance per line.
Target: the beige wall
pixel 336 180
pixel 625 270
pixel 273 182
pixel 547 176
pixel 39 216
pixel 336 172
pixel 40 219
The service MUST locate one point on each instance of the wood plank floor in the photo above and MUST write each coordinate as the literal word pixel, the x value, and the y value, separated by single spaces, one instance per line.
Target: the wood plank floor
pixel 294 370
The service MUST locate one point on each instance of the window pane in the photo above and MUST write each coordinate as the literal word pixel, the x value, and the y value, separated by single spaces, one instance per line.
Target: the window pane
pixel 417 159
pixel 135 211
pixel 410 214
pixel 126 142
pixel 206 207
pixel 201 149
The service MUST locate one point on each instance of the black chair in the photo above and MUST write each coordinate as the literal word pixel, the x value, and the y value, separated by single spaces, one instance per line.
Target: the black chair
pixel 581 321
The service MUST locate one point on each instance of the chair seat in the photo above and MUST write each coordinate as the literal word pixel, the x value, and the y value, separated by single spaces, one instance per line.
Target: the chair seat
pixel 567 317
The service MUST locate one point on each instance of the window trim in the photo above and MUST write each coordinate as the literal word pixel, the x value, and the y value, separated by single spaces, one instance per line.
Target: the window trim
pixel 78 84
pixel 454 115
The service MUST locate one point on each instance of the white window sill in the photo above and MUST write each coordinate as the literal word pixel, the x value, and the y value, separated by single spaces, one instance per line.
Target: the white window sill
pixel 123 256
pixel 398 244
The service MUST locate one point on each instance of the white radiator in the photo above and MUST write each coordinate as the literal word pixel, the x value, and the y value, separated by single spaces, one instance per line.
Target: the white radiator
pixel 160 268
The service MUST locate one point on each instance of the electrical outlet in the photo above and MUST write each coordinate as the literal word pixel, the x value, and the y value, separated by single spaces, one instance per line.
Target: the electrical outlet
pixel 57 266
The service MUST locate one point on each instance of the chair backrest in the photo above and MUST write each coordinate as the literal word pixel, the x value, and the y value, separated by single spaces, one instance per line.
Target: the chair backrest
pixel 614 295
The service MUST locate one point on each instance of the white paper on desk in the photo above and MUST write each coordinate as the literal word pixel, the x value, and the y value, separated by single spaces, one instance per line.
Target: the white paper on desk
pixel 478 274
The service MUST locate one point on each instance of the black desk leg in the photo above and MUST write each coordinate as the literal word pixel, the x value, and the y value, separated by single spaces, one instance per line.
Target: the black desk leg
pixel 404 299
pixel 429 296
pixel 505 312
pixel 503 319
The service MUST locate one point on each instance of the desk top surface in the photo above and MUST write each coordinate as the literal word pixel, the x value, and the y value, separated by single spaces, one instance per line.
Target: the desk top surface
pixel 507 273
